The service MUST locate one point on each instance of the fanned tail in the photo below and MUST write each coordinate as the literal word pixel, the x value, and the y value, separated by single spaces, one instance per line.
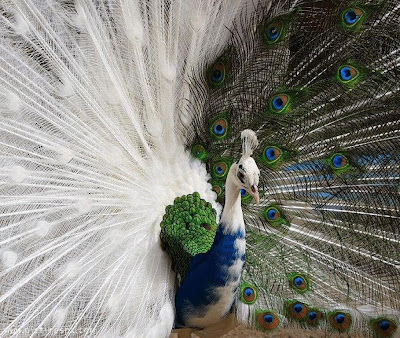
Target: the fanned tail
pixel 319 82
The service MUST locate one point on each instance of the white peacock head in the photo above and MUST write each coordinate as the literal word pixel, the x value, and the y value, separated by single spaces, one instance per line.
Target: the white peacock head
pixel 246 172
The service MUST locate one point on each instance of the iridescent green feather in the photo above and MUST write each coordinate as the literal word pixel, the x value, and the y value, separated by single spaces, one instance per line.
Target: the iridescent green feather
pixel 349 74
pixel 274 155
pixel 302 287
pixel 275 30
pixel 199 151
pixel 220 168
pixel 219 127
pixel 275 216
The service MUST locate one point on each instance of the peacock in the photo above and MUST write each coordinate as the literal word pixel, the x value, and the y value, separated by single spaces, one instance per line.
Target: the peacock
pixel 168 163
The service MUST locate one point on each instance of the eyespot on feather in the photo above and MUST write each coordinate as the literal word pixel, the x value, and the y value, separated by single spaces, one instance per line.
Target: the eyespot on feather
pixel 198 151
pixel 274 216
pixel 352 18
pixel 219 128
pixel 348 75
pixel 271 154
pixel 279 103
pixel 340 320
pixel 339 162
pixel 248 293
pixel 273 32
pixel 384 327
pixel 220 169
pixel 299 282
pixel 216 74
pixel 267 320
pixel 314 317
pixel 297 310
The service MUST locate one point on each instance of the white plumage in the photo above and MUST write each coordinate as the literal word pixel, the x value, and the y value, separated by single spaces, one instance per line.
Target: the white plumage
pixel 92 98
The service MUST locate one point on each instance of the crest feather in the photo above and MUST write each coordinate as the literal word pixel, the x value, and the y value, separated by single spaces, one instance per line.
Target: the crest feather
pixel 249 142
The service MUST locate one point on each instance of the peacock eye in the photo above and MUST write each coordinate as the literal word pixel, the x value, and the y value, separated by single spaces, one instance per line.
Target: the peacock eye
pixel 217 189
pixel 272 153
pixel 267 320
pixel 243 192
pixel 199 152
pixel 299 282
pixel 383 327
pixel 274 216
pixel 338 161
pixel 248 294
pixel 347 73
pixel 352 15
pixel 220 169
pixel 314 316
pixel 273 32
pixel 339 320
pixel 297 310
pixel 279 103
pixel 216 74
pixel 219 128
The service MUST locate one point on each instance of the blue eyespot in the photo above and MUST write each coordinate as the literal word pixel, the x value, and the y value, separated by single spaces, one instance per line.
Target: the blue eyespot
pixel 348 74
pixel 219 129
pixel 312 315
pixel 269 318
pixel 220 169
pixel 277 102
pixel 298 308
pixel 337 161
pixel 351 17
pixel 248 292
pixel 384 325
pixel 243 192
pixel 345 73
pixel 272 213
pixel 249 295
pixel 273 33
pixel 298 281
pixel 217 75
pixel 339 318
pixel 270 154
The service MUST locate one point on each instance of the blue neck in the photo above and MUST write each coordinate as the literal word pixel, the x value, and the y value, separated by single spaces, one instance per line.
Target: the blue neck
pixel 209 275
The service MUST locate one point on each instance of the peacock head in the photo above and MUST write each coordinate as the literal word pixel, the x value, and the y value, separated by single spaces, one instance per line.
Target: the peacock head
pixel 245 171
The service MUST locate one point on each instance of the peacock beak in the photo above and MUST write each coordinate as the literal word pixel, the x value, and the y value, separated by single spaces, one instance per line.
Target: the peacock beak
pixel 254 193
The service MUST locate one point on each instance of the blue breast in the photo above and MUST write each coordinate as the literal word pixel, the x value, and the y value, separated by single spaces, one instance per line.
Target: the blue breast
pixel 207 272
